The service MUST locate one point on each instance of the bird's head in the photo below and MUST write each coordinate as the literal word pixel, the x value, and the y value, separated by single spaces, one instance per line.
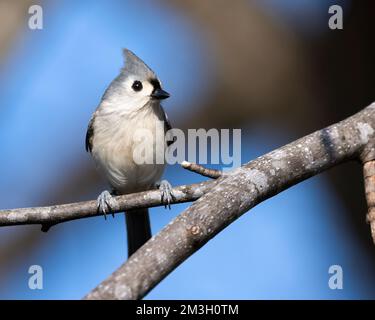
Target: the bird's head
pixel 137 84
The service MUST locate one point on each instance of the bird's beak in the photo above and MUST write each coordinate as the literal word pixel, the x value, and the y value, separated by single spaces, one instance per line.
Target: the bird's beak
pixel 160 94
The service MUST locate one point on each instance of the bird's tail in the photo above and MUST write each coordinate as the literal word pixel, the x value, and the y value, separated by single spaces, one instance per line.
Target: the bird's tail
pixel 138 229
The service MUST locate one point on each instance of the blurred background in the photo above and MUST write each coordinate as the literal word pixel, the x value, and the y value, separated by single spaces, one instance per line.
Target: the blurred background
pixel 270 67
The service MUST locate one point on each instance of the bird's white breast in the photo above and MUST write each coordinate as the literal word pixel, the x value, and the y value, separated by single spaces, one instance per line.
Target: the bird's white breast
pixel 113 148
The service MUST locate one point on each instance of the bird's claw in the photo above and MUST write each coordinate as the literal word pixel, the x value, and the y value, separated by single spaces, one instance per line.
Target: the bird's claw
pixel 105 203
pixel 166 191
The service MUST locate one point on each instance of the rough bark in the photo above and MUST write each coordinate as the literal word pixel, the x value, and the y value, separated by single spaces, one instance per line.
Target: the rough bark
pixel 231 196
pixel 51 215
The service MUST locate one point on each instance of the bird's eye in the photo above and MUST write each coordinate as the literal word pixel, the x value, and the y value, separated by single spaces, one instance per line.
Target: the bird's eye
pixel 137 85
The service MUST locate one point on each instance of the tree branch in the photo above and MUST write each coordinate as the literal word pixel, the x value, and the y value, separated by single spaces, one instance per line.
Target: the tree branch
pixel 233 194
pixel 194 167
pixel 369 177
pixel 368 161
pixel 48 216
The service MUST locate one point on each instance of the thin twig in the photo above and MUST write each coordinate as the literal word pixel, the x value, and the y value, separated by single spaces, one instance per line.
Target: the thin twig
pixel 197 168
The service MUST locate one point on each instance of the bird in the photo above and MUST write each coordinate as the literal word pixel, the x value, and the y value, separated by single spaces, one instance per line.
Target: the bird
pixel 129 104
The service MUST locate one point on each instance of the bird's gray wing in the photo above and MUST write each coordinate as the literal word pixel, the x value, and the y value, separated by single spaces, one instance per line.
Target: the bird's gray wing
pixel 90 134
pixel 167 126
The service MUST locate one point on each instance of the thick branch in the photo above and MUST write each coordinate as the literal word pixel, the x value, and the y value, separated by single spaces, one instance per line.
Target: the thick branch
pixel 231 196
pixel 369 177
pixel 368 161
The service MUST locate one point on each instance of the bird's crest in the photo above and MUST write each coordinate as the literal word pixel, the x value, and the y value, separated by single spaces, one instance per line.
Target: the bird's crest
pixel 135 66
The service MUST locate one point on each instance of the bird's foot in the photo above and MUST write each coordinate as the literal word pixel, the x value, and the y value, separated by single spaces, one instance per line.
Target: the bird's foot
pixel 166 191
pixel 105 203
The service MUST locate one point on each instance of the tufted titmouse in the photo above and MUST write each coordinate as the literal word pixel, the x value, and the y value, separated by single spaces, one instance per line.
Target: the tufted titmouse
pixel 131 102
